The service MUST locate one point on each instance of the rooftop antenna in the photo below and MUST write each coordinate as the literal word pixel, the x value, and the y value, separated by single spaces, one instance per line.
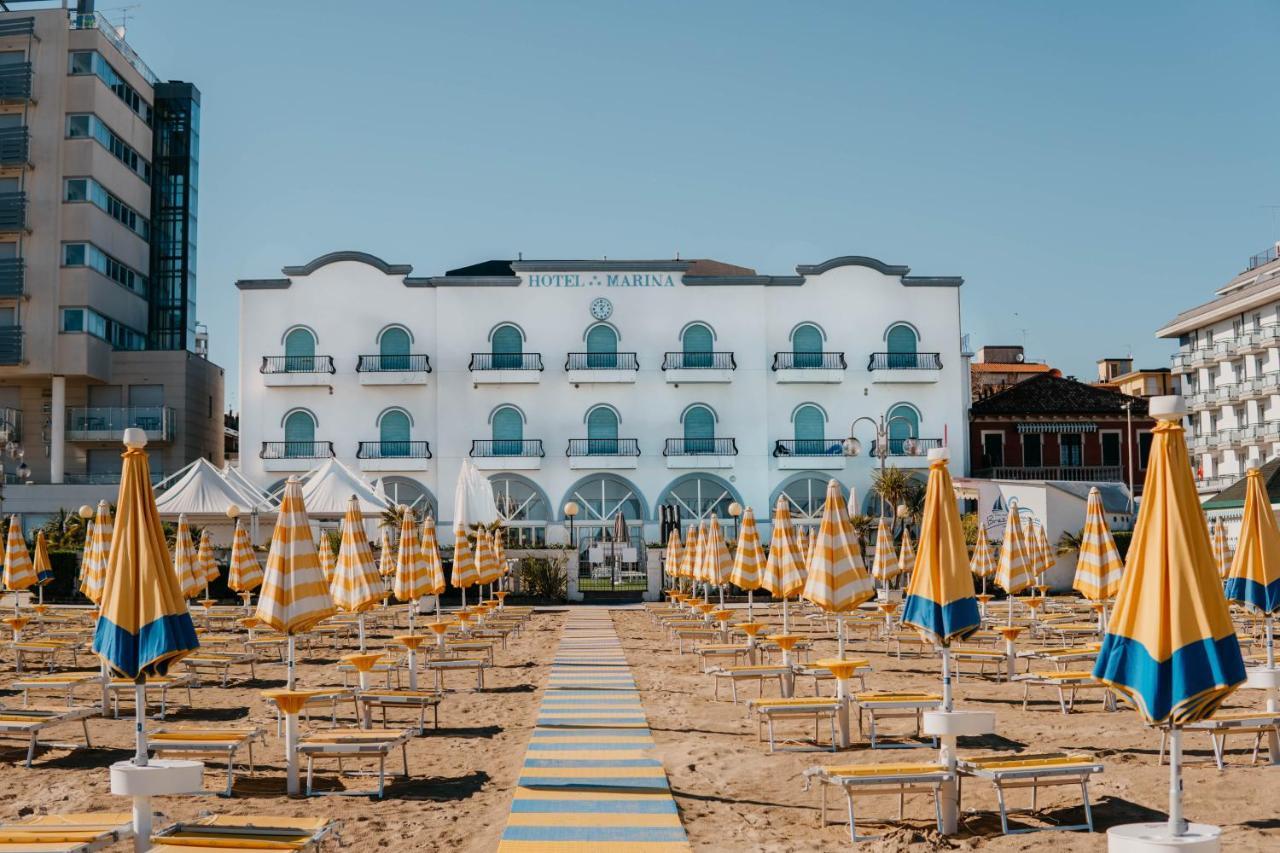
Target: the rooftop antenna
pixel 519 256
pixel 677 254
pixel 124 16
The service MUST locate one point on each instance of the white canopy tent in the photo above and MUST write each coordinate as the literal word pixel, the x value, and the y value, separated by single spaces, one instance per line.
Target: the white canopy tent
pixel 203 493
pixel 263 501
pixel 328 490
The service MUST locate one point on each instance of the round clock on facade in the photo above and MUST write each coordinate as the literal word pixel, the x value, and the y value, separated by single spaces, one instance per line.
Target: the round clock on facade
pixel 601 308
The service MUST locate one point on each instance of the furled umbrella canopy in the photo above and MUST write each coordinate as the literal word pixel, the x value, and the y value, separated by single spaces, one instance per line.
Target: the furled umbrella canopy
pixel 907 554
pixel 411 579
pixel 96 553
pixel 206 563
pixel 1047 560
pixel 884 563
pixel 1254 579
pixel 674 554
pixel 294 595
pixel 18 572
pixel 184 560
pixel 387 552
pixel 748 559
pixel 1014 568
pixel 837 581
pixel 700 553
pixel 500 551
pixel 464 574
pixel 356 586
pixel 245 574
pixel 40 561
pixel 431 552
pixel 328 562
pixel 688 564
pixel 1221 548
pixel 983 563
pixel 487 569
pixel 784 573
pixel 718 562
pixel 1098 564
pixel 802 546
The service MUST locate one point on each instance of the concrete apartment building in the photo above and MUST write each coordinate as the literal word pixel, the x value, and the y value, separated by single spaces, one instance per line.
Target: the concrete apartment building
pixel 1118 374
pixel 98 178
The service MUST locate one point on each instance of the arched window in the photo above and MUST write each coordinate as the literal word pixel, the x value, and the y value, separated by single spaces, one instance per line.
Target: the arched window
pixel 507 424
pixel 601 498
pixel 508 347
pixel 393 432
pixel 697 342
pixel 393 347
pixel 806 495
pixel 699 429
pixel 806 345
pixel 901 343
pixel 602 347
pixel 697 497
pixel 904 423
pixel 523 508
pixel 810 425
pixel 602 431
pixel 299 434
pixel 411 493
pixel 299 351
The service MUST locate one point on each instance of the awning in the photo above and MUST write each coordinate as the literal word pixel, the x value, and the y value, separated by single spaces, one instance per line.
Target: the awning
pixel 1065 426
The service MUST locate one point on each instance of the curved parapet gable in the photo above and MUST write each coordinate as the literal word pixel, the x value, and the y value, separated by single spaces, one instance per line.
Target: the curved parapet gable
pixel 852 261
pixel 359 257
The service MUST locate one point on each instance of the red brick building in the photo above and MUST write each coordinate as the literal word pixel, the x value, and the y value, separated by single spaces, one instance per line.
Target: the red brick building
pixel 1052 428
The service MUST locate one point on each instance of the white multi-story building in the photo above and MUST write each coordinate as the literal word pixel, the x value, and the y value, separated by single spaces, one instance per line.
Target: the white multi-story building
pixel 1229 361
pixel 621 386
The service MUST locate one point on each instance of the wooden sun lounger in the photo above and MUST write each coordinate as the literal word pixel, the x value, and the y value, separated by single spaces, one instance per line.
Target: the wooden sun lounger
pixel 27 723
pixel 82 832
pixel 982 657
pixel 758 672
pixel 124 687
pixel 816 707
pixel 468 648
pixel 355 743
pixel 1223 723
pixel 693 636
pixel 1061 657
pixel 1067 682
pixel 889 706
pixel 440 667
pixel 419 700
pixel 247 833
pixel 197 742
pixel 220 663
pixel 871 779
pixel 64 685
pixel 1034 771
pixel 321 697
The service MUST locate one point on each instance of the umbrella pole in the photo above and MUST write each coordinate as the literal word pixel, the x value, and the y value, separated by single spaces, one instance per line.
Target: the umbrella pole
pixel 721 596
pixel 750 594
pixel 140 721
pixel 947 702
pixel 291 673
pixel 1273 695
pixel 840 635
pixel 1177 825
pixel 106 686
pixel 1010 608
pixel 786 624
pixel 360 622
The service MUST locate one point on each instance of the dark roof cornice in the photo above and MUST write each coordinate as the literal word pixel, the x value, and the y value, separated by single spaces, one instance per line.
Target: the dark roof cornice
pixel 852 261
pixel 747 280
pixel 464 281
pixel 600 266
pixel 359 257
pixel 263 283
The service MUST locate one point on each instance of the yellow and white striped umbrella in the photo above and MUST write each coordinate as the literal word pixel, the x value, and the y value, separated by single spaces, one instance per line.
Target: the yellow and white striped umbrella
pixel 983 562
pixel 1221 548
pixel 387 552
pixel 412 578
pixel 431 552
pixel 749 559
pixel 907 554
pixel 802 546
pixel 1014 569
pixel 245 574
pixel 356 584
pixel 1047 559
pixel 184 560
pixel 784 572
pixel 328 562
pixel 1099 568
pixel 206 563
pixel 674 554
pixel 838 581
pixel 700 553
pixel 294 595
pixel 464 572
pixel 97 550
pixel 486 560
pixel 18 572
pixel 811 545
pixel 884 564
pixel 715 552
pixel 688 564
pixel 500 552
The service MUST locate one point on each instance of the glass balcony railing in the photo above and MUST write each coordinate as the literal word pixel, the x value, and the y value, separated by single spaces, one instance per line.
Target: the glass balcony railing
pixel 700 447
pixel 393 364
pixel 13 211
pixel 393 450
pixel 15 82
pixel 507 447
pixel 809 361
pixel 14 146
pixel 808 447
pixel 10 345
pixel 13 278
pixel 10 425
pixel 505 361
pixel 108 423
pixel 603 447
pixel 699 361
pixel 601 361
pixel 296 450
pixel 904 361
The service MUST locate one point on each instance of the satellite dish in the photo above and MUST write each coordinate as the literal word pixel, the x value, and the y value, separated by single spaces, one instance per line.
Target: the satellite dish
pixel 1019 358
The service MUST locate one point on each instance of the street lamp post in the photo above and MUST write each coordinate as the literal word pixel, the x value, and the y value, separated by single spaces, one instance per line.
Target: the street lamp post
pixel 853 447
pixel 735 512
pixel 571 512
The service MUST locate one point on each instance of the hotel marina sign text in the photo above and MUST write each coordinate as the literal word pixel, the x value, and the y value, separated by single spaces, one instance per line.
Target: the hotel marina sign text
pixel 573 279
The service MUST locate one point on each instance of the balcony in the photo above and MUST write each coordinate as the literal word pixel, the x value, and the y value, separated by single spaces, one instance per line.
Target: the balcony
pixel 813 367
pixel 1252 434
pixel 1200 400
pixel 916 457
pixel 603 453
pixel 901 367
pixel 1225 439
pixel 1201 357
pixel 700 452
pixel 1074 473
pixel 10 425
pixel 1226 394
pixel 294 455
pixel 297 371
pixel 806 454
pixel 13 278
pixel 502 368
pixel 108 423
pixel 15 82
pixel 104 478
pixel 698 367
pixel 13 211
pixel 610 367
pixel 393 369
pixel 1267 336
pixel 393 455
pixel 15 144
pixel 10 345
pixel 507 454
pixel 1182 362
pixel 1197 443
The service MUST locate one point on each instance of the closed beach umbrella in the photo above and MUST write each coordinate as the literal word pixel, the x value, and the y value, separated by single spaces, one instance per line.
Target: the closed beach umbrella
pixel 294 595
pixel 687 558
pixel 464 564
pixel 674 554
pixel 748 559
pixel 500 552
pixel 983 562
pixel 884 564
pixel 144 626
pixel 1254 579
pixel 1013 571
pixel 1098 565
pixel 356 587
pixel 1170 646
pixel 837 581
pixel 387 552
pixel 411 579
pixel 96 553
pixel 1045 555
pixel 907 554
pixel 40 564
pixel 486 560
pixel 245 573
pixel 802 546
pixel 206 564
pixel 435 567
pixel 18 572
pixel 184 560
pixel 719 563
pixel 700 558
pixel 1221 549
pixel 784 573
pixel 328 562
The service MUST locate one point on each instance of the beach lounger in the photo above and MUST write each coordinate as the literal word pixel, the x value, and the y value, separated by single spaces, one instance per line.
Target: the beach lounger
pixel 768 710
pixel 355 743
pixel 982 658
pixel 63 685
pixel 82 832
pixel 318 698
pixel 387 668
pixel 275 645
pixel 124 688
pixel 820 674
pixel 219 663
pixel 912 641
pixel 440 667
pixel 1223 723
pixel 1062 657
pixel 468 648
pixel 251 833
pixel 747 673
pixel 873 779
pixel 889 706
pixel 693 636
pixel 1067 682
pixel 1034 771
pixel 419 700
pixel 27 723
pixel 196 742
pixel 711 653
pixel 47 650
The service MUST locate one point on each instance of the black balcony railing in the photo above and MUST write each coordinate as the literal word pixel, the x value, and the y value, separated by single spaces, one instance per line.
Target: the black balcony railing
pixel 393 364
pixel 809 361
pixel 699 361
pixel 601 361
pixel 700 447
pixel 505 361
pixel 507 447
pixel 603 447
pixel 13 278
pixel 297 364
pixel 898 446
pixel 808 447
pixel 10 345
pixel 394 450
pixel 13 211
pixel 14 146
pixel 904 361
pixel 15 81
pixel 17 27
pixel 296 450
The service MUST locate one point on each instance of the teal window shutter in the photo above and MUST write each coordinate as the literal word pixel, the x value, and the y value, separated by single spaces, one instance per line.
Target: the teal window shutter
pixel 508 432
pixel 697 344
pixel 806 345
pixel 901 342
pixel 699 430
pixel 508 348
pixel 299 434
pixel 394 349
pixel 394 433
pixel 602 431
pixel 299 351
pixel 810 425
pixel 904 423
pixel 602 348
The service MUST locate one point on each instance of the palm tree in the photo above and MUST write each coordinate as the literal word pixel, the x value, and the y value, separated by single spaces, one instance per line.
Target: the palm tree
pixel 393 516
pixel 65 531
pixel 1069 543
pixel 863 527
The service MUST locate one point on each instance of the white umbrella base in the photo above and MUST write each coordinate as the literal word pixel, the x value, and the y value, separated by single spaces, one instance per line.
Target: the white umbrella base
pixel 1155 838
pixel 1261 678
pixel 159 777
pixel 957 723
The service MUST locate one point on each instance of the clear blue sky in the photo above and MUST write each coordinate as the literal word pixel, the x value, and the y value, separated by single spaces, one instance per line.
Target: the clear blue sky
pixel 1089 168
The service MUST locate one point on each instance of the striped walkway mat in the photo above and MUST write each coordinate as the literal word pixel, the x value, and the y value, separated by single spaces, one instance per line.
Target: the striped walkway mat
pixel 589 780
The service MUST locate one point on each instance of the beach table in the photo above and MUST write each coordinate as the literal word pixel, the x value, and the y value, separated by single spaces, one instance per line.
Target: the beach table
pixel 881 706
pixel 1034 771
pixel 355 744
pixel 28 723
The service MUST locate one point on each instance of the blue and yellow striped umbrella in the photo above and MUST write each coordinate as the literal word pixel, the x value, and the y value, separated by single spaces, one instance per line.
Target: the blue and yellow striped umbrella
pixel 940 600
pixel 18 573
pixel 97 550
pixel 40 561
pixel 1254 579
pixel 144 626
pixel 1170 645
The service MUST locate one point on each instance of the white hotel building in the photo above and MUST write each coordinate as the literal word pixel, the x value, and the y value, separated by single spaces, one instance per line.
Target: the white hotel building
pixel 1229 358
pixel 621 386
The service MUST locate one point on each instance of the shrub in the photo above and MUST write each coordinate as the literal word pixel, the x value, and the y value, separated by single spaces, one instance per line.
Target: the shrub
pixel 545 579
